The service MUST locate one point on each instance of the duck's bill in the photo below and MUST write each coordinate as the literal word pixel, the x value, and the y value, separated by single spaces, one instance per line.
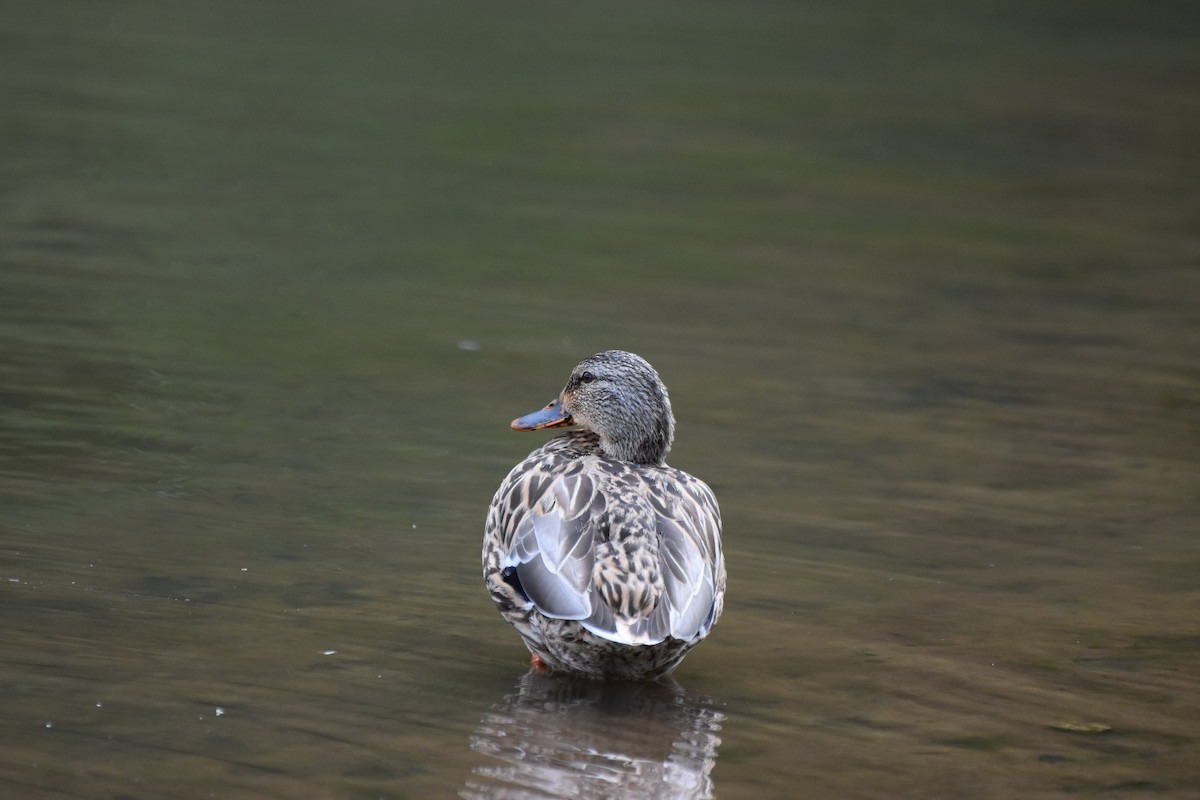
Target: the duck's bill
pixel 552 416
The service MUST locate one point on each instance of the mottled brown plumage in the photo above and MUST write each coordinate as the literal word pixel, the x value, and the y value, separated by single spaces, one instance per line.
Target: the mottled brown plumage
pixel 607 561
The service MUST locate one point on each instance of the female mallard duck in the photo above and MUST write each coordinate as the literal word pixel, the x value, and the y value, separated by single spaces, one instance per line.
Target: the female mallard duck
pixel 607 561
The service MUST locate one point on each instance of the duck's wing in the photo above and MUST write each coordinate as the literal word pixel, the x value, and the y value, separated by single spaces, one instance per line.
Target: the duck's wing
pixel 550 546
pixel 689 525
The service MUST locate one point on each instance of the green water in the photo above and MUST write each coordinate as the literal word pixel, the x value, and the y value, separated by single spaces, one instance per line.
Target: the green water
pixel 924 283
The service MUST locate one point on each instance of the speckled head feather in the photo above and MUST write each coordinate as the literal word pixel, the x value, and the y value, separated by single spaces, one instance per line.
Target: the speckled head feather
pixel 618 396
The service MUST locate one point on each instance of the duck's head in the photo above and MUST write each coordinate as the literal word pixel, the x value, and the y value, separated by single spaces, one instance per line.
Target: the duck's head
pixel 618 396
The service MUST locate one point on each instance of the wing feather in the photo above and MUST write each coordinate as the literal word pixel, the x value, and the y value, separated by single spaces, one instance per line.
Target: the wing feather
pixel 552 548
pixel 694 567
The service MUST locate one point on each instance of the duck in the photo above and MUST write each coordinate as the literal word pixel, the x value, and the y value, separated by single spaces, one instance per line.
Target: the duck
pixel 606 561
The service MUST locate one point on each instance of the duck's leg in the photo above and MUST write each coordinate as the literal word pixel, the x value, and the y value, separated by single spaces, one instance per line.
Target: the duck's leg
pixel 538 663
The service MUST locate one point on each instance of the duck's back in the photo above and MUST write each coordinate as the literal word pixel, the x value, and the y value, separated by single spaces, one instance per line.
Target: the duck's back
pixel 631 552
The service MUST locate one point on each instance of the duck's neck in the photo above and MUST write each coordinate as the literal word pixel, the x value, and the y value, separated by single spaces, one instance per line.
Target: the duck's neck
pixel 645 441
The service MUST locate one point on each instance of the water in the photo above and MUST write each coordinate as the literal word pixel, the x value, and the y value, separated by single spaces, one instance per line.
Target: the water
pixel 923 284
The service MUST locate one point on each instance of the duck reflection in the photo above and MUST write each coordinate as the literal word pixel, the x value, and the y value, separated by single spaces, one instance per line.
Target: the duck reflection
pixel 569 737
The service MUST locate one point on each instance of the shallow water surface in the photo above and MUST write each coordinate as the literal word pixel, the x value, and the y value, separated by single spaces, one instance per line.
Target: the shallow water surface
pixel 923 284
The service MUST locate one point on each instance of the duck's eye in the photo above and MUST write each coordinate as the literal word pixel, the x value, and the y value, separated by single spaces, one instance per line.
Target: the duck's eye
pixel 587 377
